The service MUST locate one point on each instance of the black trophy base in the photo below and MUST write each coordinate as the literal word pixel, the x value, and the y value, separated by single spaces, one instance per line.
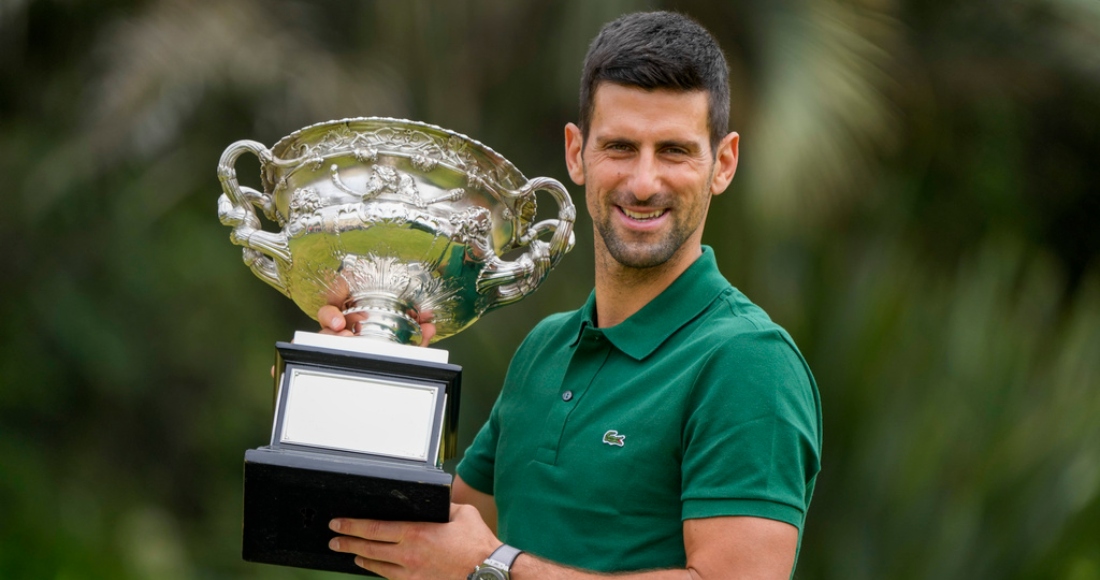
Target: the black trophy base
pixel 290 496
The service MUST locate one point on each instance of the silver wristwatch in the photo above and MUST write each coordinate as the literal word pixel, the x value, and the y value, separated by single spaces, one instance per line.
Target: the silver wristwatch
pixel 497 566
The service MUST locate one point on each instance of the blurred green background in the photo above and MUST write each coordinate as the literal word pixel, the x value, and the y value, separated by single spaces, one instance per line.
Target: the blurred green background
pixel 917 203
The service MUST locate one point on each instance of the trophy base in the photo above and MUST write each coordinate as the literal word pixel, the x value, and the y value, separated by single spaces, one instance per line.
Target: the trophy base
pixel 290 496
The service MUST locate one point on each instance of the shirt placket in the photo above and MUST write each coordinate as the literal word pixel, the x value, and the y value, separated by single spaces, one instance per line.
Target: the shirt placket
pixel 588 358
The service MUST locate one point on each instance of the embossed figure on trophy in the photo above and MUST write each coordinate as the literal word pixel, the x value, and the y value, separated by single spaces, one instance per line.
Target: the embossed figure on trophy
pixel 383 180
pixel 305 212
pixel 471 228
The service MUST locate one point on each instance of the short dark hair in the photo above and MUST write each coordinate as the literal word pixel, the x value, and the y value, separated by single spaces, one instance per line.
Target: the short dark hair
pixel 658 50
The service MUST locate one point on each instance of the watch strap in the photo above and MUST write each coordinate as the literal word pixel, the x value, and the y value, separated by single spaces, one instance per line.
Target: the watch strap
pixel 498 564
pixel 503 557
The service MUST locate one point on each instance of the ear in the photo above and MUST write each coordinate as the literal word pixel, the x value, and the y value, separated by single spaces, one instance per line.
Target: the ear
pixel 725 163
pixel 574 148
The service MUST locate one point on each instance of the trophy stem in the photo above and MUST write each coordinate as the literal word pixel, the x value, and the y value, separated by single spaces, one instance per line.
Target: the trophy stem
pixel 386 318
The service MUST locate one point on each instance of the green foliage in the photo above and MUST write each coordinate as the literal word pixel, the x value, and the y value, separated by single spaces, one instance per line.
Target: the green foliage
pixel 916 203
pixel 962 409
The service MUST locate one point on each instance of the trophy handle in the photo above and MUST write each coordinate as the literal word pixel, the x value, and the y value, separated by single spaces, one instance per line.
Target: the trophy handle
pixel 508 282
pixel 236 208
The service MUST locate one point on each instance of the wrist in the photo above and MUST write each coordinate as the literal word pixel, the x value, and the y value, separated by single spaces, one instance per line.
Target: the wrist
pixel 498 566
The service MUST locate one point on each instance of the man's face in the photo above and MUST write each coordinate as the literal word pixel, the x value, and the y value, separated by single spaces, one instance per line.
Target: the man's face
pixel 649 172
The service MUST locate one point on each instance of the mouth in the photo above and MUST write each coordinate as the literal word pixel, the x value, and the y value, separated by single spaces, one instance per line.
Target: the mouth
pixel 643 216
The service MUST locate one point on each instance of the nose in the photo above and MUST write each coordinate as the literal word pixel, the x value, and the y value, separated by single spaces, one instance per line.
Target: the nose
pixel 645 178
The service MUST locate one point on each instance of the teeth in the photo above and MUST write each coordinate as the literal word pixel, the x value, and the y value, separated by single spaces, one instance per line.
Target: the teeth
pixel 643 216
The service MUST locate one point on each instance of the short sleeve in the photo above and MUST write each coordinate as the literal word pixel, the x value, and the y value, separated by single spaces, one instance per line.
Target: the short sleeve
pixel 752 434
pixel 476 467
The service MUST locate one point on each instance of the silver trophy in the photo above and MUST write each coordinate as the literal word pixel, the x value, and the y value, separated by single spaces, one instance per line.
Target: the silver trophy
pixel 396 219
pixel 400 224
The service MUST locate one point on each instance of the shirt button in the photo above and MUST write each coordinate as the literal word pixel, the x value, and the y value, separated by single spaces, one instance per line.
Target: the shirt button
pixel 567 396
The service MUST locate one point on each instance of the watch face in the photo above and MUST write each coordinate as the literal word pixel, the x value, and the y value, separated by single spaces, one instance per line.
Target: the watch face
pixel 489 574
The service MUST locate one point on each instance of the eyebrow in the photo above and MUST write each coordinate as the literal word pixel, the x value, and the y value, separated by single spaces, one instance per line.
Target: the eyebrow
pixel 689 145
pixel 692 146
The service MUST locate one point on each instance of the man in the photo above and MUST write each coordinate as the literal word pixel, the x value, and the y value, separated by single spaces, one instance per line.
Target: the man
pixel 668 428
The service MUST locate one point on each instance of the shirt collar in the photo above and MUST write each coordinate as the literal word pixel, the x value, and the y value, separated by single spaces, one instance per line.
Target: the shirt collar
pixel 687 296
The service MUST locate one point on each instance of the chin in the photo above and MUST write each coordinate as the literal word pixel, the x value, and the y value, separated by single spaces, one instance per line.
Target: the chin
pixel 641 257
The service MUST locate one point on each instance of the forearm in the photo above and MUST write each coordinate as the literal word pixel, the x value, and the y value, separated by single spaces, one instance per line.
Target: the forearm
pixel 528 567
pixel 462 493
pixel 721 548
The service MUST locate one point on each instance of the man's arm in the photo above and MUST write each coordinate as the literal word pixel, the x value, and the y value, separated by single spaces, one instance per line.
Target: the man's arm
pixel 462 493
pixel 719 548
pixel 722 548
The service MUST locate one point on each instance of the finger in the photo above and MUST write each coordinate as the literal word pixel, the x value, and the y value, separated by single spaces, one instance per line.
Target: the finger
pixel 373 556
pixel 376 530
pixel 331 318
pixel 427 327
pixel 351 322
pixel 427 331
pixel 332 333
pixel 383 569
pixel 358 548
pixel 370 549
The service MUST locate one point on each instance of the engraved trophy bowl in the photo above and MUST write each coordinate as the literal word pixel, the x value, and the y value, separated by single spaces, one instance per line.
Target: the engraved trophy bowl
pixel 396 222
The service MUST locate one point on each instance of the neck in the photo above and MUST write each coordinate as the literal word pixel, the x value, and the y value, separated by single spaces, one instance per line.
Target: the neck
pixel 621 290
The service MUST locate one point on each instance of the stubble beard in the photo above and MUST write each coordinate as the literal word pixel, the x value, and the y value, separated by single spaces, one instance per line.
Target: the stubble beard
pixel 644 254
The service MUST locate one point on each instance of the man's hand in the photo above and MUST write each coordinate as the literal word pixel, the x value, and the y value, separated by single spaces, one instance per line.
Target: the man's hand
pixel 417 551
pixel 720 548
pixel 333 321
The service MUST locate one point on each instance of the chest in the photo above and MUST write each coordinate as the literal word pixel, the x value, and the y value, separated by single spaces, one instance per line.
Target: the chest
pixel 596 423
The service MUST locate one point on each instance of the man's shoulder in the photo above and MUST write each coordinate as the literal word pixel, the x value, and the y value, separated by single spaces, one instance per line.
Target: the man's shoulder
pixel 557 321
pixel 751 364
pixel 552 330
pixel 734 316
pixel 737 328
pixel 553 325
pixel 546 344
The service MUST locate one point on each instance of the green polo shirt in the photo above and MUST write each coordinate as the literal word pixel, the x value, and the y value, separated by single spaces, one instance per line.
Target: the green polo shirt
pixel 604 440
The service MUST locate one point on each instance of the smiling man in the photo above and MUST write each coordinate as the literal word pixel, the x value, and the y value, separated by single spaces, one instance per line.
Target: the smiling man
pixel 666 430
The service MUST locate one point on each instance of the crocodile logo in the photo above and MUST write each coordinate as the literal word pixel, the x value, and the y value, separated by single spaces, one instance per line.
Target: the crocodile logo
pixel 612 437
